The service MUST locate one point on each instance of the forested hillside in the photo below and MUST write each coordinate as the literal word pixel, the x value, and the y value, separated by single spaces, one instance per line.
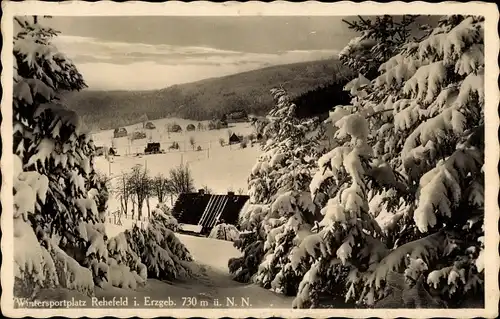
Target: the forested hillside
pixel 205 99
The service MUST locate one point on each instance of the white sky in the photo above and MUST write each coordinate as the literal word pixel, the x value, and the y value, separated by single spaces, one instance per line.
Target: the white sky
pixel 144 53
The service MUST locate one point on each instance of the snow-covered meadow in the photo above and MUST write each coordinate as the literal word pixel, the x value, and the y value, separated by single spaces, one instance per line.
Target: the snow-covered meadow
pixel 211 280
pixel 220 168
pixel 205 138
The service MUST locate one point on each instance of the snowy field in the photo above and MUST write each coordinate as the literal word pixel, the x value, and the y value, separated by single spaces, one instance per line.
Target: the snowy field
pixel 220 168
pixel 206 138
pixel 211 280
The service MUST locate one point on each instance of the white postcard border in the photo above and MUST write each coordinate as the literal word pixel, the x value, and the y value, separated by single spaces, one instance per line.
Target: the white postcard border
pixel 280 8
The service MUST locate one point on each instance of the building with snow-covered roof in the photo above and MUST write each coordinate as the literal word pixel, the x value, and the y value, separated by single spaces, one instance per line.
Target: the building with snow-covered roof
pixel 200 212
pixel 120 132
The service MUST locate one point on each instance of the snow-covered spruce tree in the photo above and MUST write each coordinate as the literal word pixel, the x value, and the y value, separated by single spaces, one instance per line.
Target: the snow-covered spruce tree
pixel 164 213
pixel 416 148
pixel 379 40
pixel 158 248
pixel 55 183
pixel 282 210
pixel 59 200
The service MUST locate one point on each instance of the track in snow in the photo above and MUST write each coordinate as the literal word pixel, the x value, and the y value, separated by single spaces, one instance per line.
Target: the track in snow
pixel 211 282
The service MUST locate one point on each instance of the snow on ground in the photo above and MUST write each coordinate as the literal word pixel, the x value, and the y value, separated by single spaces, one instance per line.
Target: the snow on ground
pixel 211 282
pixel 211 252
pixel 112 229
pixel 220 168
pixel 206 138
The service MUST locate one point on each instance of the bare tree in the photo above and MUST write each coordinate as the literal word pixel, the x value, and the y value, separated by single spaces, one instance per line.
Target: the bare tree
pixel 192 142
pixel 140 185
pixel 207 190
pixel 180 180
pixel 123 190
pixel 160 187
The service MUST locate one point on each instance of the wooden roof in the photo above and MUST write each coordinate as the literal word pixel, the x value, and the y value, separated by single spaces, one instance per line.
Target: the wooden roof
pixel 207 210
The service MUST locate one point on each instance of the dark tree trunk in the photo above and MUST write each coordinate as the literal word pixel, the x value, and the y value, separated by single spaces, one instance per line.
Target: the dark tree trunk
pixel 133 208
pixel 139 210
pixel 149 209
pixel 122 205
pixel 126 206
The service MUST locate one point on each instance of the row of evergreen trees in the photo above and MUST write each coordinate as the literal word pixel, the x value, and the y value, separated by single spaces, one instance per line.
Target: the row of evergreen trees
pixel 393 214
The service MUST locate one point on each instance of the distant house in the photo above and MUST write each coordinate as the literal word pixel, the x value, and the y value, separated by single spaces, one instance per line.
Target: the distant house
pixel 104 150
pixel 120 132
pixel 150 126
pixel 152 148
pixel 174 146
pixel 138 135
pixel 100 151
pixel 234 139
pixel 222 124
pixel 190 127
pixel 176 128
pixel 200 212
pixel 237 116
pixel 217 124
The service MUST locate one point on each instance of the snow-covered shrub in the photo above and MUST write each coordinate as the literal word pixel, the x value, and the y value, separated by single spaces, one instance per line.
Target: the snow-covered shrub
pixel 411 145
pixel 164 214
pixel 124 268
pixel 71 274
pixel 34 268
pixel 252 247
pixel 225 232
pixel 162 253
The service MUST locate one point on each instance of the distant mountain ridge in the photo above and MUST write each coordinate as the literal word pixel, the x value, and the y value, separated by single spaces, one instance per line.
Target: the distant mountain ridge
pixel 205 99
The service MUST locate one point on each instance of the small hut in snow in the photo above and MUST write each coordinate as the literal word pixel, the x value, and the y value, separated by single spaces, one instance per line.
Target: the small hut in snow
pixel 176 128
pixel 120 132
pixel 217 124
pixel 234 139
pixel 237 116
pixel 150 126
pixel 104 151
pixel 138 135
pixel 190 127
